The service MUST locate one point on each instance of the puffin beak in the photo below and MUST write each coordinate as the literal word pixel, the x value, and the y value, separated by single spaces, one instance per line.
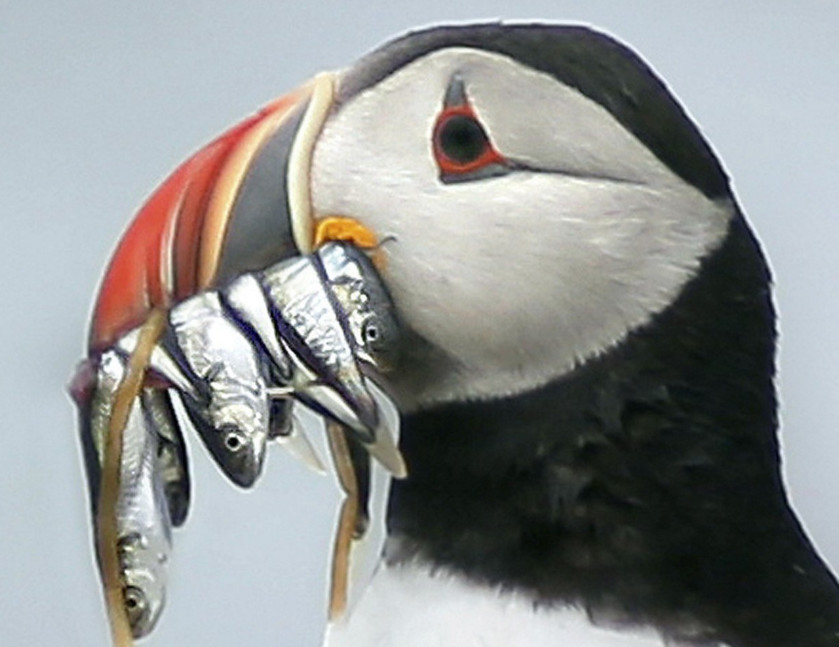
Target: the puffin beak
pixel 290 140
pixel 240 204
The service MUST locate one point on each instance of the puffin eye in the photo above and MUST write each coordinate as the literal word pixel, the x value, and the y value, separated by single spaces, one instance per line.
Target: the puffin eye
pixel 462 140
pixel 462 147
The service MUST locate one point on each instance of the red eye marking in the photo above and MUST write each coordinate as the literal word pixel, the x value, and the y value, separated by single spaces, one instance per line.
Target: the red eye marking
pixel 461 144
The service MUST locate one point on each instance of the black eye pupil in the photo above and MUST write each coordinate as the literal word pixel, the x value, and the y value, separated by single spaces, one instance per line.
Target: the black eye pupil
pixel 462 139
pixel 371 333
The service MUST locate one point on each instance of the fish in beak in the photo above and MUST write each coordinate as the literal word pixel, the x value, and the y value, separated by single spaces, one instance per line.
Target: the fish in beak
pixel 227 295
pixel 239 205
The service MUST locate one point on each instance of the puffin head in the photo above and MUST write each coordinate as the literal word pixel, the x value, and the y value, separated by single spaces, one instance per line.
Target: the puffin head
pixel 535 192
pixel 538 192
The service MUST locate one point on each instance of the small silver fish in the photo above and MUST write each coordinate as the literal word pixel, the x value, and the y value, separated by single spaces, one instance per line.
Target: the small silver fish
pixel 173 463
pixel 366 310
pixel 144 542
pixel 313 335
pixel 247 301
pixel 229 405
pixel 246 298
pixel 364 303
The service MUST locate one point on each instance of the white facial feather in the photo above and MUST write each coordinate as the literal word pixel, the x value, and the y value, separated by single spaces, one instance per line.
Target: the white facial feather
pixel 517 278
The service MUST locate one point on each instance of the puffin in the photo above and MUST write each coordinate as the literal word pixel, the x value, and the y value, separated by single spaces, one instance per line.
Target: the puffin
pixel 589 413
pixel 586 372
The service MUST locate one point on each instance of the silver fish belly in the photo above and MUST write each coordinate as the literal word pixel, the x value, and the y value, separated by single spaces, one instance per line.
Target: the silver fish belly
pixel 171 452
pixel 142 517
pixel 230 407
pixel 365 306
pixel 326 375
pixel 364 303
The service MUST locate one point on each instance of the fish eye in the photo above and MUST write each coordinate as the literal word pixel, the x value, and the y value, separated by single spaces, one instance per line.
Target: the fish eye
pixel 233 441
pixel 136 606
pixel 371 333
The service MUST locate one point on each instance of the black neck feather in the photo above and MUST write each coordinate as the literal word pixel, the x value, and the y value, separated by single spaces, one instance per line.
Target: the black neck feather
pixel 645 484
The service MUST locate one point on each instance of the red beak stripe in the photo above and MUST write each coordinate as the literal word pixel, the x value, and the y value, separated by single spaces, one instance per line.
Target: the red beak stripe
pixel 172 247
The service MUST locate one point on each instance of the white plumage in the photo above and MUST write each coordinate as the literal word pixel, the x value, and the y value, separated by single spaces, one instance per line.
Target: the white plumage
pixel 410 606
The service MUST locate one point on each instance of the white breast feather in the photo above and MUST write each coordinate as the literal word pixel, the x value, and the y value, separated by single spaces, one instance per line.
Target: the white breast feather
pixel 408 606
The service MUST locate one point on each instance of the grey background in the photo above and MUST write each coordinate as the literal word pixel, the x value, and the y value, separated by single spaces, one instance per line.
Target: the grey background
pixel 98 101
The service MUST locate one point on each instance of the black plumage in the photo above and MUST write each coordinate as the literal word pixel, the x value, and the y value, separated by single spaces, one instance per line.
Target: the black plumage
pixel 644 485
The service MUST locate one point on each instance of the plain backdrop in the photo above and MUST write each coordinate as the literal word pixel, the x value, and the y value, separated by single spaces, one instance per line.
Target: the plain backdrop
pixel 99 101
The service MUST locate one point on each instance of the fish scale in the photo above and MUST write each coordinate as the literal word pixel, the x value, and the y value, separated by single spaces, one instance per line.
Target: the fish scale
pixel 308 312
